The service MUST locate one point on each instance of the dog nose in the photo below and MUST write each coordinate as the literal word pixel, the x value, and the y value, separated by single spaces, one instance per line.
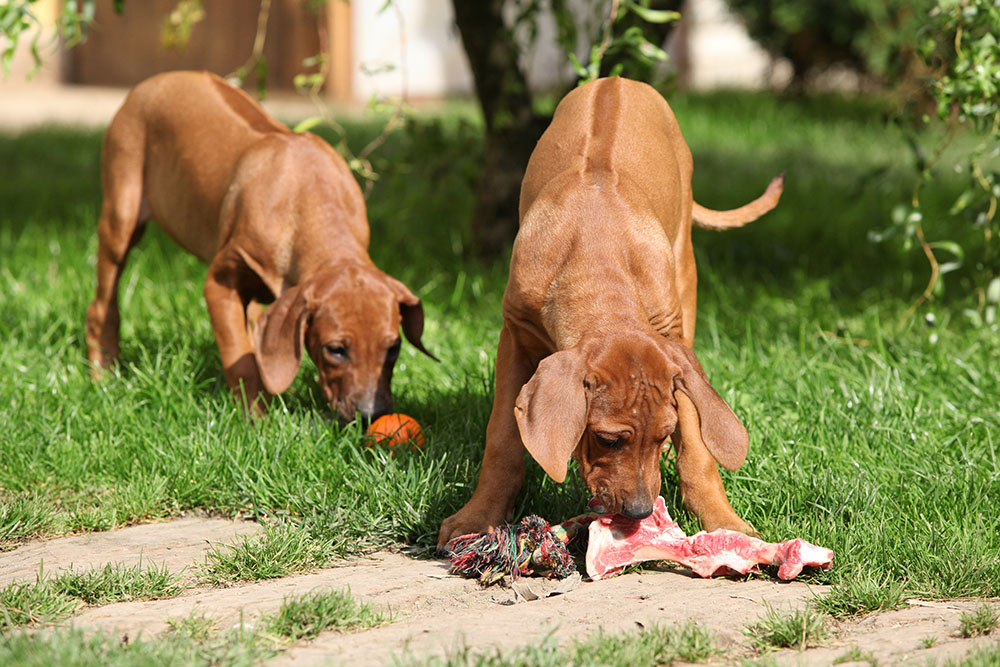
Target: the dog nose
pixel 367 417
pixel 637 512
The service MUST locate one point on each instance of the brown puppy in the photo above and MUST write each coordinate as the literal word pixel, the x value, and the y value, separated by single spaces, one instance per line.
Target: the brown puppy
pixel 595 357
pixel 276 216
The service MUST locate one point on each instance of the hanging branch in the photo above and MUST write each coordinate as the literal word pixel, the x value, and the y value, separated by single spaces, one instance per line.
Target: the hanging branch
pixel 256 61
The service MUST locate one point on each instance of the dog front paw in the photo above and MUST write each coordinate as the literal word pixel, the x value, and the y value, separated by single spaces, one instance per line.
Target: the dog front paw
pixel 466 522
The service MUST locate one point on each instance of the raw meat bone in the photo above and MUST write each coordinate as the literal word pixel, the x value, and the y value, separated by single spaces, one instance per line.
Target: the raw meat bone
pixel 617 541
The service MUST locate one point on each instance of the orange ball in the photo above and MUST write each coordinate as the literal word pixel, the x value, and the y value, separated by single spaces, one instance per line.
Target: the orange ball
pixel 395 429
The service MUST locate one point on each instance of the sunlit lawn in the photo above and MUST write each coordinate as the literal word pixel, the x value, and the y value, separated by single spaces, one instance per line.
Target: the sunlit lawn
pixel 877 440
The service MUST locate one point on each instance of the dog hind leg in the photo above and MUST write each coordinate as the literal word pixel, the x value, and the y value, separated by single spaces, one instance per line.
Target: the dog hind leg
pixel 120 227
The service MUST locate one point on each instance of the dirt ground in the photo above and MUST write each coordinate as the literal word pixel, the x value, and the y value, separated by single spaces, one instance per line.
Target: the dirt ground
pixel 436 613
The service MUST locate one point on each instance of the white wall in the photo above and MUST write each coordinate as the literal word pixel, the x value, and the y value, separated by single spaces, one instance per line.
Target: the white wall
pixel 434 64
pixel 720 51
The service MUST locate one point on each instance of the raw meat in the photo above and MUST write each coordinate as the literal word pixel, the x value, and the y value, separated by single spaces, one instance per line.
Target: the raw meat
pixel 617 541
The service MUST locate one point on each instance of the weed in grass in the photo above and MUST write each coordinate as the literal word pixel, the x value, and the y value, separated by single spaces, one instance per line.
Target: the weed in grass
pixel 276 551
pixel 196 626
pixel 855 654
pixel 50 599
pixel 22 516
pixel 858 591
pixel 761 661
pixel 798 629
pixel 655 645
pixel 306 616
pixel 116 582
pixel 982 621
pixel 29 603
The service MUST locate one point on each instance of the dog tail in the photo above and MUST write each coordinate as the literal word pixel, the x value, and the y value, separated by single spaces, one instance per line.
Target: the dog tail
pixel 706 218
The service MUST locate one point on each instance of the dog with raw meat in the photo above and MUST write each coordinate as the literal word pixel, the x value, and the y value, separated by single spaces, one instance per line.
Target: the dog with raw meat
pixel 595 359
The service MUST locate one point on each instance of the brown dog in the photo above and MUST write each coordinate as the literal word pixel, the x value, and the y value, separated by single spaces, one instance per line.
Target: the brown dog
pixel 276 216
pixel 595 357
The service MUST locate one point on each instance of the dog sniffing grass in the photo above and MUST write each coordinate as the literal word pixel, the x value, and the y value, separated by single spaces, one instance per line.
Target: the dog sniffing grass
pixel 877 443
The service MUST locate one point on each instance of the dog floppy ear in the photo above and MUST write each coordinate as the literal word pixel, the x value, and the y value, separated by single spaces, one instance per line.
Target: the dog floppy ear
pixel 412 312
pixel 721 430
pixel 279 337
pixel 551 411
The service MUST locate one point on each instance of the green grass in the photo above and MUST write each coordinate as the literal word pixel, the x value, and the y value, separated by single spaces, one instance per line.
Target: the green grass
pixel 118 583
pixel 880 443
pixel 274 552
pixel 22 516
pixel 855 654
pixel 799 629
pixel 194 639
pixel 77 647
pixel 982 621
pixel 862 592
pixel 52 598
pixel 306 616
pixel 988 656
pixel 655 645
pixel 196 626
pixel 33 603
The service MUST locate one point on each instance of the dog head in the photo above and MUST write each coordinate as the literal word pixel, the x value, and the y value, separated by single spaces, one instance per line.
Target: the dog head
pixel 349 321
pixel 610 403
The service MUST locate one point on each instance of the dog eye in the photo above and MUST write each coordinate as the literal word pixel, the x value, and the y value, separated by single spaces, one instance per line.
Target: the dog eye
pixel 611 442
pixel 335 352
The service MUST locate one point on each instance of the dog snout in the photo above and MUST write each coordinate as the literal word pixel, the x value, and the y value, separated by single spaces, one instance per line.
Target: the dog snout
pixel 375 414
pixel 637 511
pixel 370 410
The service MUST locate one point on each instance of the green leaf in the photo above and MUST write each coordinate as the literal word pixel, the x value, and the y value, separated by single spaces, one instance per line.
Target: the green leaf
pixel 119 6
pixel 653 15
pixel 898 215
pixel 954 249
pixel 651 50
pixel 577 67
pixel 975 319
pixel 949 246
pixel 993 291
pixel 307 124
pixel 962 202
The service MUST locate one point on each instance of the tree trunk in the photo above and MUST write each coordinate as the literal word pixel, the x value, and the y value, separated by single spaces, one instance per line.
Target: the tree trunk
pixel 512 127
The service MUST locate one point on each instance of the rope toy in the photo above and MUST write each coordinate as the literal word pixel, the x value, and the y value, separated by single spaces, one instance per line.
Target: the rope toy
pixel 531 546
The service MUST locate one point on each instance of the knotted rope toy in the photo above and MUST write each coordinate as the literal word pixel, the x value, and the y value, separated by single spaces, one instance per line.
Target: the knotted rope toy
pixel 531 546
